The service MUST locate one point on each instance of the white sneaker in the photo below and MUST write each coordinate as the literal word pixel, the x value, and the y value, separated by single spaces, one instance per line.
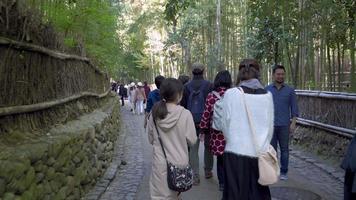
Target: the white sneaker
pixel 283 177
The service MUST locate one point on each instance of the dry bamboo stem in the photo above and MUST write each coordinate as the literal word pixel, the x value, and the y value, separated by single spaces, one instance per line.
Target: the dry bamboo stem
pixel 329 95
pixel 55 54
pixel 349 133
pixel 45 105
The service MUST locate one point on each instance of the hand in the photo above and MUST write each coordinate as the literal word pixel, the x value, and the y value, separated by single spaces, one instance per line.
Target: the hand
pixel 292 128
pixel 201 137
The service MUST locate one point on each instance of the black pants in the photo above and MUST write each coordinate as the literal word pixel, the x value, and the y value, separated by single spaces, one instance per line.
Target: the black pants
pixel 240 180
pixel 122 100
pixel 348 184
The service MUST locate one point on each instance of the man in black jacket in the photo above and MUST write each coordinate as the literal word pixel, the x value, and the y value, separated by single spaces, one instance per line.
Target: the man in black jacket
pixel 194 95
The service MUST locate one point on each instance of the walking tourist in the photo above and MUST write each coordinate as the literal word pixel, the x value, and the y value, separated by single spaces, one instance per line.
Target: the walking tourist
pixel 195 93
pixel 241 172
pixel 213 139
pixel 153 97
pixel 140 97
pixel 176 127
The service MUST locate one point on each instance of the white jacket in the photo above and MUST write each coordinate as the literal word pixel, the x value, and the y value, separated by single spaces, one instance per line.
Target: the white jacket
pixel 235 126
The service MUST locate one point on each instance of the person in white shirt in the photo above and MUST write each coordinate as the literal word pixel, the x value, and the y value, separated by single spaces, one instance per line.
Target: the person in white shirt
pixel 240 156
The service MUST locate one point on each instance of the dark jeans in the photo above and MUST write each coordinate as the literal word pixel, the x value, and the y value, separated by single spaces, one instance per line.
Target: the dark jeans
pixel 208 156
pixel 220 169
pixel 349 184
pixel 281 136
pixel 122 101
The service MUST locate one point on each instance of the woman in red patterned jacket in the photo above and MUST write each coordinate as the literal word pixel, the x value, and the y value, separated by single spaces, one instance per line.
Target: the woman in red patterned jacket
pixel 222 82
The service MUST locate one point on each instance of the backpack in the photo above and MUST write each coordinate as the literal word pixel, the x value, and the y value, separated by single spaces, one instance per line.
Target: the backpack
pixel 196 101
pixel 217 112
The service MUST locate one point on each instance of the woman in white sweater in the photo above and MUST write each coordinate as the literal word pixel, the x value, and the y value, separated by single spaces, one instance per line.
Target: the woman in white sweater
pixel 240 157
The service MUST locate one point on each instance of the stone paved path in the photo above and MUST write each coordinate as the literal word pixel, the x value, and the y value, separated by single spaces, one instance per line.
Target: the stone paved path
pixel 129 181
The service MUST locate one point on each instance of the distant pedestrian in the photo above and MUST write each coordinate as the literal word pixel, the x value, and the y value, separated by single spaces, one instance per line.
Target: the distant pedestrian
pixel 195 93
pixel 213 139
pixel 147 88
pixel 184 79
pixel 349 165
pixel 123 94
pixel 114 86
pixel 140 97
pixel 243 141
pixel 153 97
pixel 176 128
pixel 132 90
pixel 285 110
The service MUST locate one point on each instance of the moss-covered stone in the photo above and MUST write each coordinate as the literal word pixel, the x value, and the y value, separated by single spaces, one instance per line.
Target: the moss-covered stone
pixel 13 169
pixel 9 196
pixel 29 178
pixel 55 149
pixel 59 165
pixel 71 184
pixel 39 177
pixel 37 151
pixel 31 193
pixel 61 178
pixel 51 174
pixel 63 158
pixel 2 187
pixel 61 194
pixel 47 189
pixel 55 186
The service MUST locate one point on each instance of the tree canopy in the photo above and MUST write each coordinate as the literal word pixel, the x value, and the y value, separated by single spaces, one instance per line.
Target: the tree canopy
pixel 136 39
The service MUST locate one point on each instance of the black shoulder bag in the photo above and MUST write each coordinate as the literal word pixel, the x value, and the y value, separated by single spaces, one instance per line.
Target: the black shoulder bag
pixel 179 179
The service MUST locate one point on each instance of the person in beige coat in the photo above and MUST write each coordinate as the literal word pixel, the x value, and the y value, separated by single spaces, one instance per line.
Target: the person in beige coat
pixel 177 131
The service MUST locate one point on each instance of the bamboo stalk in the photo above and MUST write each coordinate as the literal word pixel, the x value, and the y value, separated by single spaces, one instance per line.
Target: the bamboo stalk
pixel 349 133
pixel 48 104
pixel 39 49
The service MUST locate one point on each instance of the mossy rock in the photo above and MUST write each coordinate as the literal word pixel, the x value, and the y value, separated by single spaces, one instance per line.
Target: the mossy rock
pixel 31 193
pixel 76 193
pixel 80 174
pixel 51 174
pixel 51 161
pixel 61 194
pixel 71 184
pixel 30 177
pixel 36 152
pixel 47 189
pixel 61 178
pixel 69 169
pixel 63 158
pixel 55 186
pixel 9 196
pixel 39 177
pixel 2 187
pixel 56 148
pixel 13 169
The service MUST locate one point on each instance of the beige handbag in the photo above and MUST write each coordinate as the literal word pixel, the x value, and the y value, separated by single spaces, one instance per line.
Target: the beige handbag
pixel 268 166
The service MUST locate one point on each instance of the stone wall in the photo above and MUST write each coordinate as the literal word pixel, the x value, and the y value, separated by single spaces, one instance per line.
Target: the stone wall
pixel 65 162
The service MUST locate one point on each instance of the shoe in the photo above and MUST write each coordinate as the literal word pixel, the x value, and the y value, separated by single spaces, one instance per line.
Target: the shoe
pixel 283 177
pixel 221 187
pixel 196 181
pixel 208 174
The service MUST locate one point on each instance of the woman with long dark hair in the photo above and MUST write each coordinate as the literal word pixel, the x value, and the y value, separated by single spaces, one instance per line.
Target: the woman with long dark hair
pixel 213 139
pixel 243 140
pixel 176 127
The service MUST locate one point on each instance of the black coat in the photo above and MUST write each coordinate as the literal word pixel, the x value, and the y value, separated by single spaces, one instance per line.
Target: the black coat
pixel 349 165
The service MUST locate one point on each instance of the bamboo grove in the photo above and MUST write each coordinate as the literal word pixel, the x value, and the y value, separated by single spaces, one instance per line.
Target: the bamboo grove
pixel 313 39
pixel 139 39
